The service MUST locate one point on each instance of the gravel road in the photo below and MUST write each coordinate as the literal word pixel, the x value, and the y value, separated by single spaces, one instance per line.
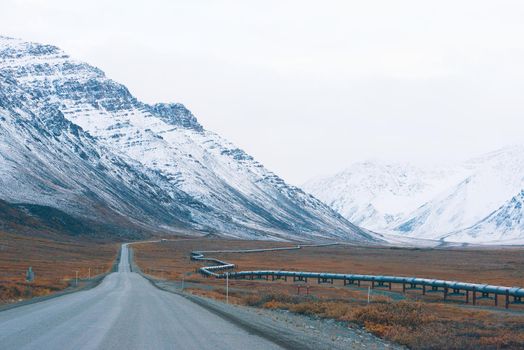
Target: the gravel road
pixel 124 312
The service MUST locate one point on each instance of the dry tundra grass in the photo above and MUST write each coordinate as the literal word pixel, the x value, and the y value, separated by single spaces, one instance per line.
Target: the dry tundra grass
pixel 53 261
pixel 418 325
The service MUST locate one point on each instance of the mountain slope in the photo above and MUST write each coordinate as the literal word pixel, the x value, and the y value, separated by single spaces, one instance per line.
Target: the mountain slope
pixel 202 181
pixel 489 181
pixel 504 224
pixel 426 202
pixel 48 161
pixel 378 195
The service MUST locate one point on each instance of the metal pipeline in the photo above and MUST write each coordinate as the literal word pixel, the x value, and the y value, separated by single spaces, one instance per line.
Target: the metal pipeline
pixel 412 281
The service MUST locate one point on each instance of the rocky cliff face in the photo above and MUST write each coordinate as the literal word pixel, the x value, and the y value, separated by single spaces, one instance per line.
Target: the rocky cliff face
pixel 73 139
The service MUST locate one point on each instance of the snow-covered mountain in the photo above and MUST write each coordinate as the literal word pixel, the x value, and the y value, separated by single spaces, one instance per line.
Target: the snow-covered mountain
pixel 376 194
pixel 72 139
pixel 505 224
pixel 451 202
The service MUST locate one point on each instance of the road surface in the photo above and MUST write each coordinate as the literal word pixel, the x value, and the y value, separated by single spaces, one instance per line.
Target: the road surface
pixel 124 312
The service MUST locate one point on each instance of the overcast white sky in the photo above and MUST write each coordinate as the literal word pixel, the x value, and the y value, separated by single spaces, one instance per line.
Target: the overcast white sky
pixel 308 87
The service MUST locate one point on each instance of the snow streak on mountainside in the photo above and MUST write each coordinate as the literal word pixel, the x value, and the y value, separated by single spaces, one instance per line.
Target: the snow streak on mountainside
pixel 157 156
pixel 430 202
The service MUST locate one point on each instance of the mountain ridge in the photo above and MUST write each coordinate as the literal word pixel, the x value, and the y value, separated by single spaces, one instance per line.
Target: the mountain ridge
pixel 202 181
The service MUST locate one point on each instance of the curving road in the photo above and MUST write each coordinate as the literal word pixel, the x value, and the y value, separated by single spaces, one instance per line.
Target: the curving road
pixel 124 312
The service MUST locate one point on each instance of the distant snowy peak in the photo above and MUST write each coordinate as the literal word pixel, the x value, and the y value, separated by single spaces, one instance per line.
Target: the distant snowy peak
pixel 202 180
pixel 488 182
pixel 506 224
pixel 376 194
pixel 426 202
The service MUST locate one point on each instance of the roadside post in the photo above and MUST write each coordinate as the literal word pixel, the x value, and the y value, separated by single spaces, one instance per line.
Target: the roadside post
pixel 29 278
pixel 227 287
pixel 30 275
